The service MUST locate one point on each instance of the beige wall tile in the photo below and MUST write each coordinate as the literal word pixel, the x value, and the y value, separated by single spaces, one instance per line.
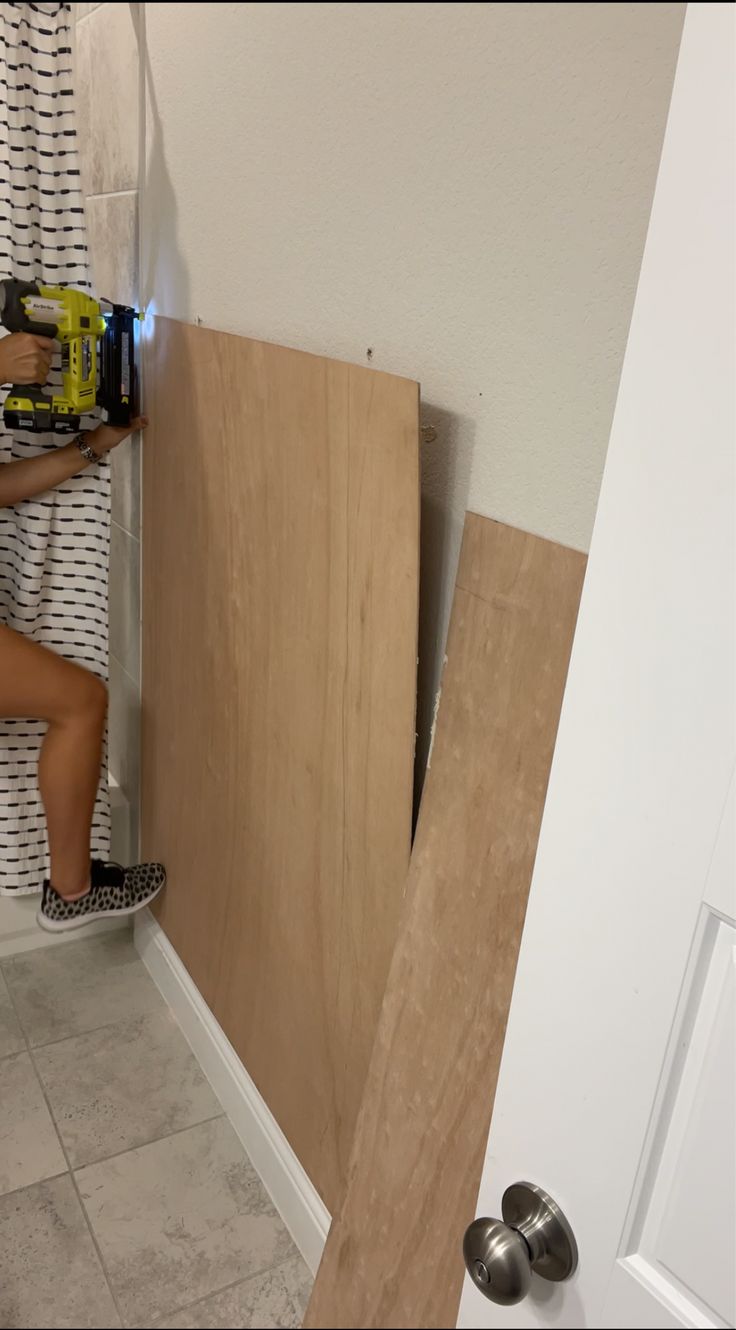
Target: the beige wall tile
pixel 125 600
pixel 126 485
pixel 112 239
pixel 124 729
pixel 108 98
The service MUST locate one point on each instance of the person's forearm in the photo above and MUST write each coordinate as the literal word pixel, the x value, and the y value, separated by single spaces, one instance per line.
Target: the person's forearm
pixel 36 475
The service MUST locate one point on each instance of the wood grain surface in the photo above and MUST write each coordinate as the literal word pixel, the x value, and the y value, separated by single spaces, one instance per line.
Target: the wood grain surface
pixel 280 555
pixel 393 1257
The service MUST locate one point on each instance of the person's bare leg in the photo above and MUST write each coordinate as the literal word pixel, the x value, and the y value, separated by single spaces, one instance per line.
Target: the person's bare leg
pixel 36 683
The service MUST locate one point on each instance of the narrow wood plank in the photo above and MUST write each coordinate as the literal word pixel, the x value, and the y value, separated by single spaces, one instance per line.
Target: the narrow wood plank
pixel 393 1255
pixel 281 511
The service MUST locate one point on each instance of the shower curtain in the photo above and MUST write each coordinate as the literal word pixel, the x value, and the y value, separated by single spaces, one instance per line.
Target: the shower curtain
pixel 53 549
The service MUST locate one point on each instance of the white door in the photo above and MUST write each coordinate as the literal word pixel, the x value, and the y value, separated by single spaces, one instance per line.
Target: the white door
pixel 616 1090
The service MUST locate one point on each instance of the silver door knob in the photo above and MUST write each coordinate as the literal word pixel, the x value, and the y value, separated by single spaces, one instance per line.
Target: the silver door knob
pixel 534 1235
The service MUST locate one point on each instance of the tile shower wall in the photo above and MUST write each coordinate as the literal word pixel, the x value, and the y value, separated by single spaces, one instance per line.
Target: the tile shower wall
pixel 107 81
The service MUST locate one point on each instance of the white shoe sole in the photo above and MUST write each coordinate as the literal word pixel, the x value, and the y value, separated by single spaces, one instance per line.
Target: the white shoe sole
pixel 68 925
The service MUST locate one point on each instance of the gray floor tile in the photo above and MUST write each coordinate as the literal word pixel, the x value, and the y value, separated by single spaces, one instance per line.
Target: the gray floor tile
pixel 63 991
pixel 50 1274
pixel 11 1035
pixel 123 1086
pixel 29 1146
pixel 299 1281
pixel 180 1219
pixel 263 1302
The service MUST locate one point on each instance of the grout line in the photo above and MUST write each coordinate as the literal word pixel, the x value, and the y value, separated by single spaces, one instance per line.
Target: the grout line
pixel 79 1034
pixel 16 1013
pixel 155 1140
pixel 127 530
pixel 14 1010
pixel 73 1170
pixel 112 193
pixel 123 527
pixel 4 1057
pixel 78 1195
pixel 80 18
pixel 120 527
pixel 69 1172
pixel 111 1025
pixel 234 1283
pixel 7 963
pixel 129 676
pixel 28 1186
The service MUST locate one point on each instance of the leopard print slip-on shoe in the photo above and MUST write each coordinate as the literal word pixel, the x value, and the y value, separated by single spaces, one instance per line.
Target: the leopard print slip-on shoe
pixel 114 892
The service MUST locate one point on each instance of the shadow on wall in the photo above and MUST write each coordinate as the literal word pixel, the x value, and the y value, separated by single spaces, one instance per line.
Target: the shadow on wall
pixel 164 273
pixel 445 468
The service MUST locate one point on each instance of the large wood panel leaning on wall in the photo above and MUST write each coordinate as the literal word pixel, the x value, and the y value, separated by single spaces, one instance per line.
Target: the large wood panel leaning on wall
pixel 281 550
pixel 393 1256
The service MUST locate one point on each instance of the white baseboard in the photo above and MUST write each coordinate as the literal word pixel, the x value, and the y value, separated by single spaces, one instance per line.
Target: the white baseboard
pixel 286 1182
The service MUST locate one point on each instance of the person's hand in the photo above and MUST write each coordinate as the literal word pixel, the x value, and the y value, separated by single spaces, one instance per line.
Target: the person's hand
pixel 106 437
pixel 25 358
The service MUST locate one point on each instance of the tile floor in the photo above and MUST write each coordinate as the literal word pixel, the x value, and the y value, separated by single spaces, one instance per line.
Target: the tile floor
pixel 126 1199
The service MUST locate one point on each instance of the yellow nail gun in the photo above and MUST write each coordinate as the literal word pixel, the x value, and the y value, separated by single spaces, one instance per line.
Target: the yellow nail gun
pixel 98 363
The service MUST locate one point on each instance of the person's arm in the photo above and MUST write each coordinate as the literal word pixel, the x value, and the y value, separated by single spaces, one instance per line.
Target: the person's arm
pixel 25 358
pixel 36 475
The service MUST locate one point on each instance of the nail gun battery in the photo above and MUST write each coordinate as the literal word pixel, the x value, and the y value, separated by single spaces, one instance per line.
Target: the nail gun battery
pixel 117 389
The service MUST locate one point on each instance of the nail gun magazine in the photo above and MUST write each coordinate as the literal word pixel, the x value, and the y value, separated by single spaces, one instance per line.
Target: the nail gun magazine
pixel 98 356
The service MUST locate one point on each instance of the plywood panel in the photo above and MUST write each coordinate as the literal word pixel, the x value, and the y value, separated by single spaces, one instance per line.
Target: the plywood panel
pixel 281 502
pixel 393 1255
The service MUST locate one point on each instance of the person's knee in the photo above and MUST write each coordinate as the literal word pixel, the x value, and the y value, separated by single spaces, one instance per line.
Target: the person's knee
pixel 96 700
pixel 89 702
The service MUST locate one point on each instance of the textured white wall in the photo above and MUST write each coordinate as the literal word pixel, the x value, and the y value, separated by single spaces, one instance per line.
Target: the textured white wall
pixel 462 188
